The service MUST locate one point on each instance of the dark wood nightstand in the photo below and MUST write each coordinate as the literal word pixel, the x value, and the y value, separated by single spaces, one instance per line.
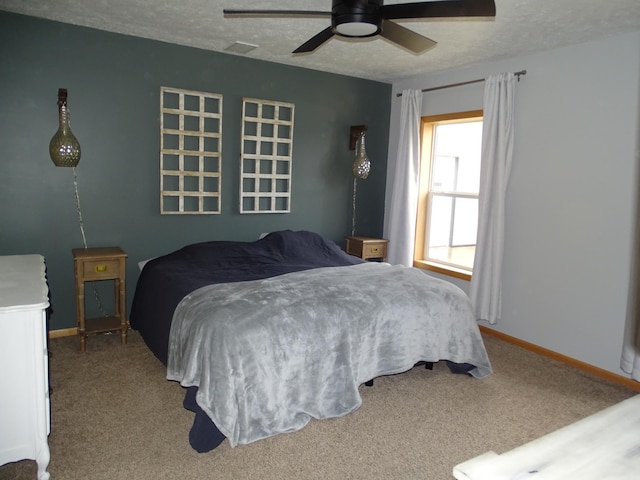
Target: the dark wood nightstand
pixel 367 247
pixel 94 264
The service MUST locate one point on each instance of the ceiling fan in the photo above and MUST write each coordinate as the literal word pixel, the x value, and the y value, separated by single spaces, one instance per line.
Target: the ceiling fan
pixel 367 18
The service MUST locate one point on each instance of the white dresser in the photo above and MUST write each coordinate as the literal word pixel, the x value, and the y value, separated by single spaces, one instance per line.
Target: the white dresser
pixel 605 445
pixel 24 378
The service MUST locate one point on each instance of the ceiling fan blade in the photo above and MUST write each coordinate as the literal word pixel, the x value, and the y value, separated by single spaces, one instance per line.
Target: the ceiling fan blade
pixel 406 38
pixel 444 8
pixel 230 12
pixel 315 41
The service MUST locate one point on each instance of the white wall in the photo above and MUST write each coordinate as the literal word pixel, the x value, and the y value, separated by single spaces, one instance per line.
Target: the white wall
pixel 570 202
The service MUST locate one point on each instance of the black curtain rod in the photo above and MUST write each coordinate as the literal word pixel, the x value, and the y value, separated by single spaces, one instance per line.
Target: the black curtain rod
pixel 478 80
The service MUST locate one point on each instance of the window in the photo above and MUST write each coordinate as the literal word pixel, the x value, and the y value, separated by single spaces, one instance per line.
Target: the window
pixel 447 219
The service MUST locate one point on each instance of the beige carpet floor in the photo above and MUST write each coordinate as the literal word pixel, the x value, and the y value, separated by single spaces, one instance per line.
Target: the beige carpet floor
pixel 114 416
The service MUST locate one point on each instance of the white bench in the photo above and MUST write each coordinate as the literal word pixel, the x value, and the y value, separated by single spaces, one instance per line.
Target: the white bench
pixel 605 445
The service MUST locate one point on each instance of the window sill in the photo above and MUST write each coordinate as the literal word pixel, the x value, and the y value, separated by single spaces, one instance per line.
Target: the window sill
pixel 443 269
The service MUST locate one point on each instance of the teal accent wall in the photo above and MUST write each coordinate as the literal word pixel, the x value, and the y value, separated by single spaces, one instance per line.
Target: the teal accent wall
pixel 113 83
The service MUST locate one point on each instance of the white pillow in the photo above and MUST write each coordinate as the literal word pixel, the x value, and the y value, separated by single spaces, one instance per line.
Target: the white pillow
pixel 142 263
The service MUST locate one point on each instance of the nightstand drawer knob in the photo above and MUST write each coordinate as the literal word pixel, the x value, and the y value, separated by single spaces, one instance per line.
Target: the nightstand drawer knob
pixel 374 250
pixel 103 268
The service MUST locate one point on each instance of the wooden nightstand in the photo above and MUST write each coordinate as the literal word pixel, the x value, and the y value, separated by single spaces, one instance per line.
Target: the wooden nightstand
pixel 94 264
pixel 367 247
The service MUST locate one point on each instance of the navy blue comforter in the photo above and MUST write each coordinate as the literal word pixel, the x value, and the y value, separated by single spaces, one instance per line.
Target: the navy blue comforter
pixel 166 280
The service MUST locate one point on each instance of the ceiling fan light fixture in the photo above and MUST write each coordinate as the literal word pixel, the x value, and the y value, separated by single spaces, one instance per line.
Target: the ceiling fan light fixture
pixel 356 18
pixel 356 27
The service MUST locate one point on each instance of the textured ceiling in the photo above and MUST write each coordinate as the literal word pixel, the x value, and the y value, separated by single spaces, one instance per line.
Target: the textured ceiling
pixel 520 27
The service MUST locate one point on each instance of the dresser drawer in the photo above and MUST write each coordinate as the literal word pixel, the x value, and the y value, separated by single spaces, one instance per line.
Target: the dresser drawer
pixel 100 269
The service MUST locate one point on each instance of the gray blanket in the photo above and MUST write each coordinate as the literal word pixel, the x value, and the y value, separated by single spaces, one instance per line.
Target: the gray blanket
pixel 269 355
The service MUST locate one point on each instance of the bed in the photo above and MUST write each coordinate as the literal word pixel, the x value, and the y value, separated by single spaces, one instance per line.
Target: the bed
pixel 267 335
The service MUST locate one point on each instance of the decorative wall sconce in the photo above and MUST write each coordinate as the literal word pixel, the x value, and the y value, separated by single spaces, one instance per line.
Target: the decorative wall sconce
pixel 361 164
pixel 360 168
pixel 64 148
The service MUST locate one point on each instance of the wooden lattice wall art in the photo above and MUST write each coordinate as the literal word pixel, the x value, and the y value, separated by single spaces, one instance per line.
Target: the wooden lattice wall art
pixel 266 154
pixel 190 152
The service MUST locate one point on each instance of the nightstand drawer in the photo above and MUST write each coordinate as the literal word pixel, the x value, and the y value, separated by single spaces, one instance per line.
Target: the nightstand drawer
pixel 367 247
pixel 100 269
pixel 374 250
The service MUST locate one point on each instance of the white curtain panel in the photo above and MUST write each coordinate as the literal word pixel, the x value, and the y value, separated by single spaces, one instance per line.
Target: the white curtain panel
pixel 630 360
pixel 406 183
pixel 485 289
